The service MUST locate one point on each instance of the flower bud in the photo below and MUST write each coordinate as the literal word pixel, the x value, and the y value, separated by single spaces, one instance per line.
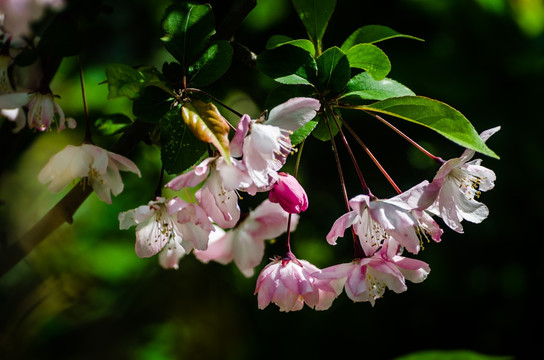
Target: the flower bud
pixel 289 194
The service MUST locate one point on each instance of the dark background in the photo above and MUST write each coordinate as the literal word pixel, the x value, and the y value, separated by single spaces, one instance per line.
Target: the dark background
pixel 83 294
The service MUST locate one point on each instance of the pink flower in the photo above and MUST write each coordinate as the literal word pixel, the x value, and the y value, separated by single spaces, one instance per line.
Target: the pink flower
pixel 287 192
pixel 375 220
pixel 98 167
pixel 457 185
pixel 19 14
pixel 192 222
pixel 267 146
pixel 366 279
pixel 289 283
pixel 245 243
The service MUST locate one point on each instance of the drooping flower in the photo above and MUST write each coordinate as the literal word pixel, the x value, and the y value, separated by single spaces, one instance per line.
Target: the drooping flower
pixel 375 220
pixel 245 243
pixel 98 167
pixel 457 185
pixel 290 283
pixel 267 145
pixel 287 192
pixel 366 279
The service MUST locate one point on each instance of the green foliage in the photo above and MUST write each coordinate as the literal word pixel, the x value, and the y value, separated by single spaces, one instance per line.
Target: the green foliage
pixel 124 80
pixel 363 87
pixel 288 64
pixel 451 355
pixel 180 149
pixel 152 104
pixel 187 28
pixel 435 115
pixel 371 34
pixel 371 59
pixel 112 124
pixel 315 15
pixel 213 63
pixel 333 71
pixel 278 40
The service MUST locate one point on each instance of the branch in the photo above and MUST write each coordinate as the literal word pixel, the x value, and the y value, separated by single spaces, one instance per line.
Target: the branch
pixel 65 209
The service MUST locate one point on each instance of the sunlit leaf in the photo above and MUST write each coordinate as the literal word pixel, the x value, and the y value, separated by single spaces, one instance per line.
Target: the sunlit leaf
pixel 213 63
pixel 333 70
pixel 112 124
pixel 303 132
pixel 187 28
pixel 371 59
pixel 279 40
pixel 434 115
pixel 207 125
pixel 180 149
pixel 371 34
pixel 363 87
pixel 124 80
pixel 288 64
pixel 315 15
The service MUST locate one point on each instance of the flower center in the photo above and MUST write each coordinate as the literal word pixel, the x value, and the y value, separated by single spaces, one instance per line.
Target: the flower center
pixel 468 184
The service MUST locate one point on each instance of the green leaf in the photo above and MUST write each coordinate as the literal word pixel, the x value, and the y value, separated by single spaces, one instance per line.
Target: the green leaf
pixel 434 115
pixel 187 28
pixel 213 63
pixel 302 132
pixel 279 40
pixel 333 70
pixel 315 15
pixel 207 125
pixel 288 64
pixel 363 87
pixel 371 34
pixel 152 104
pixel 124 80
pixel 112 124
pixel 321 131
pixel 179 148
pixel 371 59
pixel 451 355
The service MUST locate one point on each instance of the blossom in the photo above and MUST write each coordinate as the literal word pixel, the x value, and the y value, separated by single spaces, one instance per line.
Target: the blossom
pixel 375 220
pixel 192 222
pixel 98 167
pixel 457 185
pixel 19 14
pixel 42 110
pixel 267 145
pixel 366 279
pixel 245 243
pixel 290 283
pixel 289 194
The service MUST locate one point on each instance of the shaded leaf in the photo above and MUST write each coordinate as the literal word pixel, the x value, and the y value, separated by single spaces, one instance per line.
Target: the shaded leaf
pixel 180 149
pixel 112 124
pixel 321 130
pixel 152 104
pixel 288 64
pixel 124 80
pixel 279 40
pixel 207 125
pixel 434 115
pixel 363 87
pixel 315 15
pixel 213 63
pixel 371 34
pixel 371 59
pixel 333 70
pixel 187 28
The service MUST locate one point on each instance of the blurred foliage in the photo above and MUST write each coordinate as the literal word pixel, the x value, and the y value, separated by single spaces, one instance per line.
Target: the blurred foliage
pixel 83 293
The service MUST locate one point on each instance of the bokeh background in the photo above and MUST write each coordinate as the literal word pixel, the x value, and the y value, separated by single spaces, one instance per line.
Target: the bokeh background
pixel 84 294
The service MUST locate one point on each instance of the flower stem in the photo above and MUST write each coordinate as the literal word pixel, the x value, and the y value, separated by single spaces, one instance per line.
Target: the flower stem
pixel 407 138
pixel 88 134
pixel 376 162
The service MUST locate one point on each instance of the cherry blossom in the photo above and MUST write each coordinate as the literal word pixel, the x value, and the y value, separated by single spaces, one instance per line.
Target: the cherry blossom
pixel 245 243
pixel 457 185
pixel 290 283
pixel 287 192
pixel 366 279
pixel 19 14
pixel 96 166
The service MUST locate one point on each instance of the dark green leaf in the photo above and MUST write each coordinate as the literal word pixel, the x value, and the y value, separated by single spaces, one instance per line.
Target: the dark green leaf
pixel 288 64
pixel 364 87
pixel 435 115
pixel 124 80
pixel 187 28
pixel 285 92
pixel 152 104
pixel 112 124
pixel 333 70
pixel 315 15
pixel 279 40
pixel 371 59
pixel 372 34
pixel 322 131
pixel 213 63
pixel 179 148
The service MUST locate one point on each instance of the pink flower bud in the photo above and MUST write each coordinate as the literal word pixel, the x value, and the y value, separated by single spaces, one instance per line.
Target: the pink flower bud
pixel 289 194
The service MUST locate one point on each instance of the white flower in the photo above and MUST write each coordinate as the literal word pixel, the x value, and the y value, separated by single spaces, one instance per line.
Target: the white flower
pixel 98 167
